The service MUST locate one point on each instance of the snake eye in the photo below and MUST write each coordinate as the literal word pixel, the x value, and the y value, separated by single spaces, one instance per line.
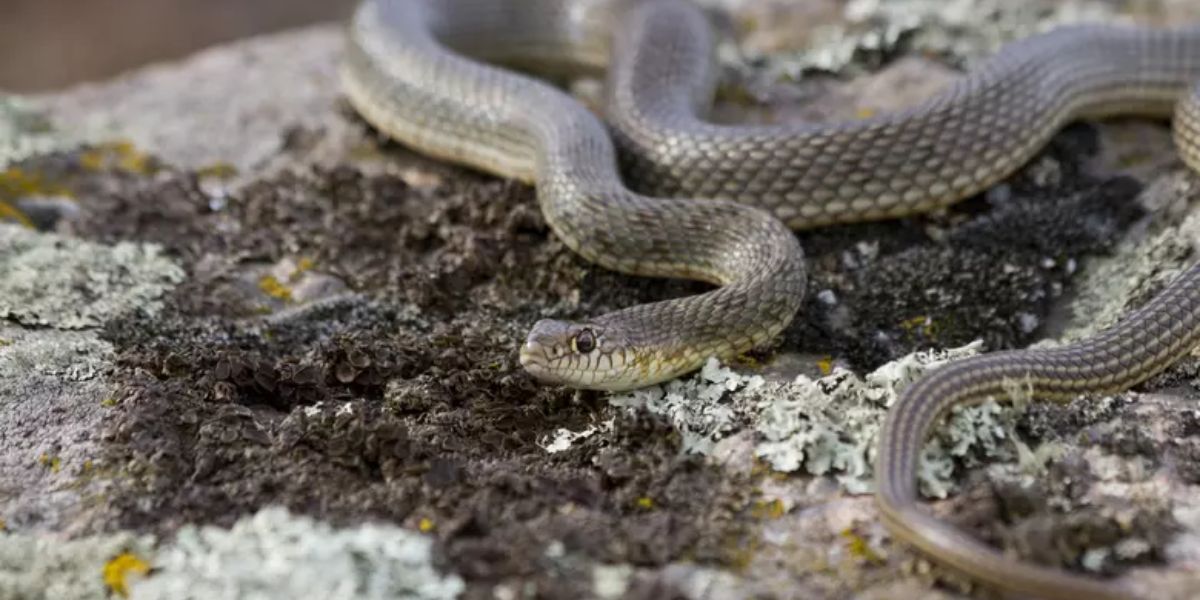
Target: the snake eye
pixel 584 342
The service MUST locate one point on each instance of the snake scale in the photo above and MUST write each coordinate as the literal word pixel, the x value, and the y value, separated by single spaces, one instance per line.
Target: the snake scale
pixel 718 202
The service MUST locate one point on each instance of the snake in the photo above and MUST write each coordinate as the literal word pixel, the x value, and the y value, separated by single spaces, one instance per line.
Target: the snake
pixel 651 185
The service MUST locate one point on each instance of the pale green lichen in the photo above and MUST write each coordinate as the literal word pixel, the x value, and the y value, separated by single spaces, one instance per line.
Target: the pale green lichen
pixel 25 132
pixel 1107 286
pixel 963 31
pixel 52 357
pixel 827 426
pixel 34 567
pixel 972 30
pixel 611 581
pixel 276 555
pixel 699 407
pixel 66 283
pixel 271 555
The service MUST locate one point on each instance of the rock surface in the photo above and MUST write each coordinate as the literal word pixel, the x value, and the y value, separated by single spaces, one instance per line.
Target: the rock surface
pixel 223 295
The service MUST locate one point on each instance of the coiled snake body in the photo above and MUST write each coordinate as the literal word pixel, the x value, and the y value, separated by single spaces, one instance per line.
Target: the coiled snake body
pixel 716 201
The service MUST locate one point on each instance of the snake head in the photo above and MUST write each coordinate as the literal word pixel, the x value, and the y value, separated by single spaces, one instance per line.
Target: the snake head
pixel 579 355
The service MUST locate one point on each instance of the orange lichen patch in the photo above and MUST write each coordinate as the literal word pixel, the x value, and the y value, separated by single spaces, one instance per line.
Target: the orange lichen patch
pixel 117 571
pixel 51 462
pixel 859 547
pixel 864 113
pixel 121 154
pixel 768 509
pixel 274 288
pixel 425 525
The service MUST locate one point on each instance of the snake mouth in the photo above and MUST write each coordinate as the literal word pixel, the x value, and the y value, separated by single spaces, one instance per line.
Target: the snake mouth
pixel 535 360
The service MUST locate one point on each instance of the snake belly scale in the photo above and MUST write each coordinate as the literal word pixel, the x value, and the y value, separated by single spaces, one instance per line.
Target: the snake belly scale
pixel 689 198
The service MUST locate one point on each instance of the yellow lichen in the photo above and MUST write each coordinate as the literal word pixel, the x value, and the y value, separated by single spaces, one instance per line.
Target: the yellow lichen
pixel 121 154
pixel 760 467
pixel 117 571
pixel 1133 158
pixel 91 160
pixel 645 503
pixel 860 548
pixel 865 113
pixel 739 552
pixel 301 266
pixel 218 171
pixel 922 325
pixel 108 402
pixel 274 288
pixel 763 468
pixel 825 365
pixel 18 183
pixel 768 509
pixel 425 525
pixel 51 462
pixel 8 212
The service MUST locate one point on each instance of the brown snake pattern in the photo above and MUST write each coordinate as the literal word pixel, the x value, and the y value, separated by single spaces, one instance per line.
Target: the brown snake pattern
pixel 715 202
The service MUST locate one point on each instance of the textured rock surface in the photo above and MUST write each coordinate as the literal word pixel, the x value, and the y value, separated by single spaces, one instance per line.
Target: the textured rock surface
pixel 248 299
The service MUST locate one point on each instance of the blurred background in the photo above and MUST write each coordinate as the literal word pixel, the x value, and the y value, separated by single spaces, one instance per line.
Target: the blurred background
pixel 48 44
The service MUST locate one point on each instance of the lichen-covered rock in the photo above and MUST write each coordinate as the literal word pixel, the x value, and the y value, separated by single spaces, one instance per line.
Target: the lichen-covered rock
pixel 331 323
pixel 278 555
pixel 47 280
pixel 825 426
pixel 25 131
pixel 47 568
